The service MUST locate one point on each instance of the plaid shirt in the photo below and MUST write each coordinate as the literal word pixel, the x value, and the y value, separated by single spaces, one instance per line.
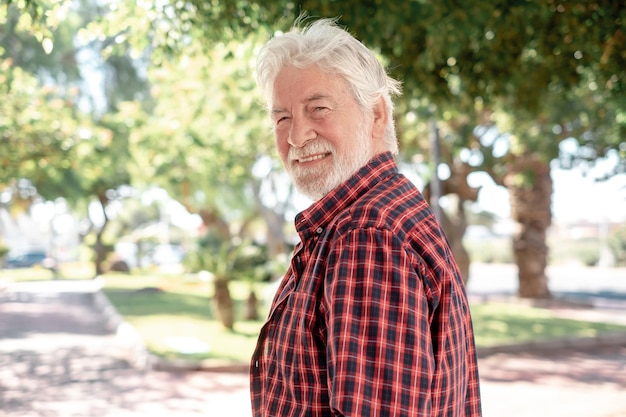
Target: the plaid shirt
pixel 371 318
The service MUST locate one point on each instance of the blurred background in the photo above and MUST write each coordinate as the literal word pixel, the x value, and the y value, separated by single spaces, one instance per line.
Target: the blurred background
pixel 135 149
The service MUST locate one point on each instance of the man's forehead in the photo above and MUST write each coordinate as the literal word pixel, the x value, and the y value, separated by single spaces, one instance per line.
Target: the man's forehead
pixel 309 94
pixel 294 86
pixel 310 80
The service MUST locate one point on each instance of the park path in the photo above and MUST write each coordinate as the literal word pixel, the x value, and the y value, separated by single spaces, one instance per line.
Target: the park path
pixel 59 358
pixel 561 383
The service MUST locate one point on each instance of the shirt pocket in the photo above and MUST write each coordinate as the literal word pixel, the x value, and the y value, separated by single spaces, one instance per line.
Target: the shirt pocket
pixel 300 315
pixel 297 344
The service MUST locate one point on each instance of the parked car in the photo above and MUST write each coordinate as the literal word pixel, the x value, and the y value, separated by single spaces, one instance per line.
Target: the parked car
pixel 25 259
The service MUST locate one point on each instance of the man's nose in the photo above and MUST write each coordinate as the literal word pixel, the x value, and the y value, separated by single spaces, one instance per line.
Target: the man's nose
pixel 301 132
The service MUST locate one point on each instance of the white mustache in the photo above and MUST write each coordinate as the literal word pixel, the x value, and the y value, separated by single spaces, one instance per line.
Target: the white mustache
pixel 310 152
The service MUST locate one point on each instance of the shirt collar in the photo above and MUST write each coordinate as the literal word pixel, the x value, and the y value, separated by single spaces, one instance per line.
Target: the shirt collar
pixel 320 213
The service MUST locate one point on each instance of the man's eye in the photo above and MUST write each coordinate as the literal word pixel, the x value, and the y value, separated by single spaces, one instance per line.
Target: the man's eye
pixel 281 119
pixel 319 112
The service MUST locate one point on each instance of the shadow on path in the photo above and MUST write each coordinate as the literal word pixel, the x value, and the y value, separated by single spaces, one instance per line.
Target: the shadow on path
pixel 58 359
pixel 597 366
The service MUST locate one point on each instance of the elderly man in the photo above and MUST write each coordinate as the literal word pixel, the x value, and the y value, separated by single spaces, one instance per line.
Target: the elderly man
pixel 371 318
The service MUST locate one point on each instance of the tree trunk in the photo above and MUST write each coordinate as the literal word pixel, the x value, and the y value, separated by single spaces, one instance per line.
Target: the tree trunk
pixel 214 222
pixel 252 306
pixel 100 253
pixel 223 302
pixel 454 223
pixel 99 248
pixel 275 221
pixel 530 186
pixel 454 230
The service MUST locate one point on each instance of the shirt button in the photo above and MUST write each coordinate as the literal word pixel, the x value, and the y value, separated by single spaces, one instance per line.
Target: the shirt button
pixel 319 230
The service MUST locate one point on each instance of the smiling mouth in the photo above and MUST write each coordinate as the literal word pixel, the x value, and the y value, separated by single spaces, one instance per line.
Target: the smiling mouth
pixel 312 158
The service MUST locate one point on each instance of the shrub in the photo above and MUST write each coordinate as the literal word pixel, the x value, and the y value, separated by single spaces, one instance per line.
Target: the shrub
pixel 495 250
pixel 617 245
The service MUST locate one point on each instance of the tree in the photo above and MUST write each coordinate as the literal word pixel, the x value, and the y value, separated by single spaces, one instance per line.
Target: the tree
pixel 104 176
pixel 64 147
pixel 39 123
pixel 203 151
pixel 539 72
pixel 554 68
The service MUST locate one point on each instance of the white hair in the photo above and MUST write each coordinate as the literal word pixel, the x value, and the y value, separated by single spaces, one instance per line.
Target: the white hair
pixel 327 46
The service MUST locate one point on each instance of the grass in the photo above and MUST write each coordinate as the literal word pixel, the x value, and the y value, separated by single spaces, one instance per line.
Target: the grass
pixel 183 312
pixel 68 270
pixel 498 323
pixel 175 316
pixel 492 250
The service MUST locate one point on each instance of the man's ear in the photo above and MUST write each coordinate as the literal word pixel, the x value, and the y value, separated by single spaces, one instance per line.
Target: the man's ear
pixel 380 119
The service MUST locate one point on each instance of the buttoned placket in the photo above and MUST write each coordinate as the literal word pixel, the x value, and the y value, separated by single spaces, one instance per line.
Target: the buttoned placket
pixel 296 268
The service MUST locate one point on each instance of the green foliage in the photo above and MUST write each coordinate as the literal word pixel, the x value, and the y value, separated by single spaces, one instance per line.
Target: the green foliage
pixel 38 36
pixel 227 259
pixel 252 262
pixel 524 179
pixel 584 251
pixel 206 147
pixel 37 129
pixel 554 69
pixel 540 71
pixel 132 216
pixel 45 137
pixel 617 244
pixel 590 257
pixel 3 250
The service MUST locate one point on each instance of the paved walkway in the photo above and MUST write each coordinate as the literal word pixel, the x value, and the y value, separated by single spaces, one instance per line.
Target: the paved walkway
pixel 561 383
pixel 60 358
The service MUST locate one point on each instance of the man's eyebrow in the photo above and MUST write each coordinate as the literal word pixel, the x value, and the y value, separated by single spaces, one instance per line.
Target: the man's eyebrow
pixel 278 110
pixel 312 97
pixel 316 96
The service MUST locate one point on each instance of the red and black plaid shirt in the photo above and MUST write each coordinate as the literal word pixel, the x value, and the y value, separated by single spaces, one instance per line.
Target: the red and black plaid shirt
pixel 371 318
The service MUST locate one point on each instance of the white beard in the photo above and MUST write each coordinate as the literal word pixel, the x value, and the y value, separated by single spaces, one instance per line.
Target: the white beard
pixel 316 182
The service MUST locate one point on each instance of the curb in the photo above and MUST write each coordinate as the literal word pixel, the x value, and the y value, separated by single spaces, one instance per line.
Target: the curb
pixel 135 350
pixel 137 354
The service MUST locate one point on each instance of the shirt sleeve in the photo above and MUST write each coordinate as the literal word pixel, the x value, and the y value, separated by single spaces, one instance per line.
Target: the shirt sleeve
pixel 380 357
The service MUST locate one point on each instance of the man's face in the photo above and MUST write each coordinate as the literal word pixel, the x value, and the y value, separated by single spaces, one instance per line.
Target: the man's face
pixel 322 134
